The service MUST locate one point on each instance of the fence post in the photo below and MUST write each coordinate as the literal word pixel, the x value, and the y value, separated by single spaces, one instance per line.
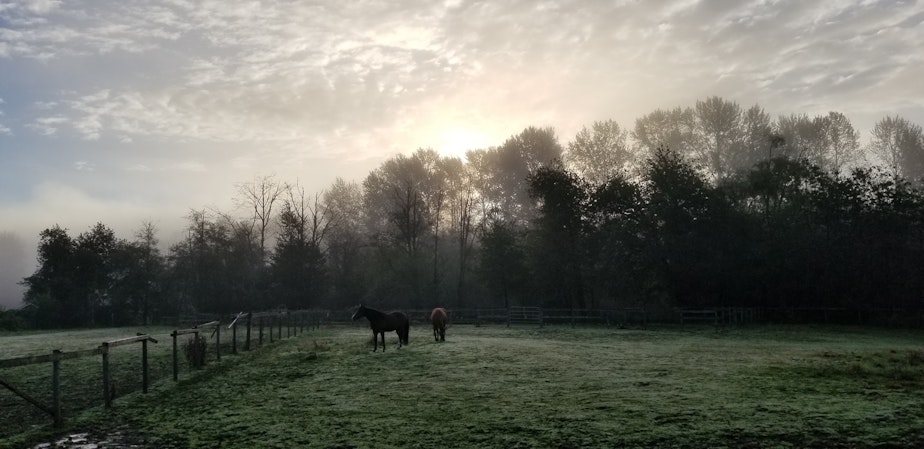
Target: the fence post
pixel 281 318
pixel 234 337
pixel 106 395
pixel 218 341
pixel 249 322
pixel 175 361
pixel 56 386
pixel 144 366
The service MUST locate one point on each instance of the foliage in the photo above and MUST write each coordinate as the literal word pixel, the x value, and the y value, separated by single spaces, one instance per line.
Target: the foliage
pixel 714 205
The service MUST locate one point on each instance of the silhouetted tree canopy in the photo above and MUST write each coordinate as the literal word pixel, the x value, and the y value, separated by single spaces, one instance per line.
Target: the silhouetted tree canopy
pixel 712 205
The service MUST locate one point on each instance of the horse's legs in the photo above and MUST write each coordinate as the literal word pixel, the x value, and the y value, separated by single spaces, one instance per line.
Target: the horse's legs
pixel 436 336
pixel 375 341
pixel 443 333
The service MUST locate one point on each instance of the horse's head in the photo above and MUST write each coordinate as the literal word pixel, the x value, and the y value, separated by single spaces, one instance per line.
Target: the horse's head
pixel 360 312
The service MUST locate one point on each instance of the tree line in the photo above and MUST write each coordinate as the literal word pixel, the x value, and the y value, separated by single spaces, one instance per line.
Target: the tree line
pixel 711 205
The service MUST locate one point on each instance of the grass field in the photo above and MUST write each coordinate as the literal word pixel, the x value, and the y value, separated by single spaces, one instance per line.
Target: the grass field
pixel 552 387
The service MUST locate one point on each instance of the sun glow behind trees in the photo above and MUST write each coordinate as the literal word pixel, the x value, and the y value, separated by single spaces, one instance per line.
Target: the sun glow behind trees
pixel 679 210
pixel 455 142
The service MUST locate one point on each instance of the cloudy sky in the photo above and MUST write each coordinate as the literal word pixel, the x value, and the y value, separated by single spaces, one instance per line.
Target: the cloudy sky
pixel 125 111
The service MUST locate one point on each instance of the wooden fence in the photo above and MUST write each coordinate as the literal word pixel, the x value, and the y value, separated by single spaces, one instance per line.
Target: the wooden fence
pixel 258 327
pixel 55 358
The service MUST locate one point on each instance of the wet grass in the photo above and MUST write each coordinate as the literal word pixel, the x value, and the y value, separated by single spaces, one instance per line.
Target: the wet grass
pixel 549 387
pixel 80 378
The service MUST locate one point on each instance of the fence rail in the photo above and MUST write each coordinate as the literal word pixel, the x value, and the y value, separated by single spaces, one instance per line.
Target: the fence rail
pixel 55 358
pixel 271 323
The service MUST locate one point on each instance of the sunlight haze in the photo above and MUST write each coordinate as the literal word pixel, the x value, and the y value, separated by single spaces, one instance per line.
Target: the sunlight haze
pixel 125 112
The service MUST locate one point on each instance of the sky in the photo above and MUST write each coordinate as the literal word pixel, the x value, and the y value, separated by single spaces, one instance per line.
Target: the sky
pixel 131 111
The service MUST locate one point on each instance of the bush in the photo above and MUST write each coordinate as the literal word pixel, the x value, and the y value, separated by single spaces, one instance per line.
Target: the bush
pixel 194 349
pixel 12 320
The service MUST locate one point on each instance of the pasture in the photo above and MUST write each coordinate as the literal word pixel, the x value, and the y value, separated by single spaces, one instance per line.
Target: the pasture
pixel 526 387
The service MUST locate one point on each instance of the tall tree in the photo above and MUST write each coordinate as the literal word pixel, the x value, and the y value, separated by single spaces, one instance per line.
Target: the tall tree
pixel 559 235
pixel 94 252
pixel 719 135
pixel 297 269
pixel 394 203
pixel 260 196
pixel 200 266
pixel 617 271
pixel 402 201
pixel 506 190
pixel 677 200
pixel 600 153
pixel 899 144
pixel 803 137
pixel 461 198
pixel 759 140
pixel 138 277
pixel 841 143
pixel 502 263
pixel 343 203
pixel 51 292
pixel 674 129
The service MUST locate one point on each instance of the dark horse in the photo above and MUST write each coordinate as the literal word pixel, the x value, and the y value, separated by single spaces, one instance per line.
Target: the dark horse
pixel 439 318
pixel 382 322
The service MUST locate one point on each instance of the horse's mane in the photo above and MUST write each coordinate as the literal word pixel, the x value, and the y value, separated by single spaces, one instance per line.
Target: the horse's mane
pixel 373 313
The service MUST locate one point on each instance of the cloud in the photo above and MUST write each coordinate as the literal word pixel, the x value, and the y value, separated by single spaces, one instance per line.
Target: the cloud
pixel 84 166
pixel 48 125
pixel 4 130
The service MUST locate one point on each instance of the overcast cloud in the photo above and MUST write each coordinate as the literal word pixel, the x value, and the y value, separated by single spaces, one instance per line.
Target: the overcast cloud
pixel 127 111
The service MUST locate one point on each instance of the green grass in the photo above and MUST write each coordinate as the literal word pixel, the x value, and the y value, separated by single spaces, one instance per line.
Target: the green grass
pixel 551 387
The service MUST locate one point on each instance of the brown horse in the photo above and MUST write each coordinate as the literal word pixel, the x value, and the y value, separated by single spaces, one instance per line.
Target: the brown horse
pixel 439 318
pixel 382 322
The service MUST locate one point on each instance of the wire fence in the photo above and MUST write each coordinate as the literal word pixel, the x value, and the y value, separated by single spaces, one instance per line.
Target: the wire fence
pixel 38 389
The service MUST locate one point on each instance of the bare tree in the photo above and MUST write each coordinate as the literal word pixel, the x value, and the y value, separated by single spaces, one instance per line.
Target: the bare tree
pixel 309 212
pixel 259 196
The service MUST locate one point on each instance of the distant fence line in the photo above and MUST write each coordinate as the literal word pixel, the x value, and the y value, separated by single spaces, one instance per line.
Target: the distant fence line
pixel 537 316
pixel 640 316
